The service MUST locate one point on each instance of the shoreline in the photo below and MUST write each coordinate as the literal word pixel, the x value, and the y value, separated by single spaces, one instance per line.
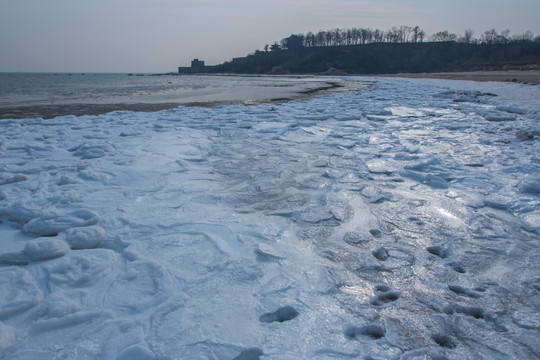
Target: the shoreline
pixel 322 85
pixel 271 93
pixel 515 76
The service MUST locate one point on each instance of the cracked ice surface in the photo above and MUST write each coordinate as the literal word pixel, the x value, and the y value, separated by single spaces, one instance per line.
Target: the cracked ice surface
pixel 398 221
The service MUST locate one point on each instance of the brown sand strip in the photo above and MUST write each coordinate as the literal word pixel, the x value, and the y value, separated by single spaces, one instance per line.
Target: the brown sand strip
pixel 519 76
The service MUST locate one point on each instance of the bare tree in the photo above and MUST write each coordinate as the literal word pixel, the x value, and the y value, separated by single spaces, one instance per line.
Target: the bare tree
pixel 394 35
pixel 329 37
pixel 368 35
pixel 527 36
pixel 489 36
pixel 443 36
pixel 337 37
pixel 417 34
pixel 504 36
pixel 309 39
pixel 321 38
pixel 378 35
pixel 406 32
pixel 467 37
pixel 355 36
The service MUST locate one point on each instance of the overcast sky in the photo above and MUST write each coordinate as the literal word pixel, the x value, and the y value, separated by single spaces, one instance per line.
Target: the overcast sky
pixel 160 35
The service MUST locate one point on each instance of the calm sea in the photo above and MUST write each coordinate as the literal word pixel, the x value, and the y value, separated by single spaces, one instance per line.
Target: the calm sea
pixel 49 95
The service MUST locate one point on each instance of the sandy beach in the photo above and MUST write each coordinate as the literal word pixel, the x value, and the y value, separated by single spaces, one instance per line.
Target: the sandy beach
pixel 519 76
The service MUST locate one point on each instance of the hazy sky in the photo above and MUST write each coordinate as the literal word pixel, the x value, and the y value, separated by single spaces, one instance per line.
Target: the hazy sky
pixel 160 35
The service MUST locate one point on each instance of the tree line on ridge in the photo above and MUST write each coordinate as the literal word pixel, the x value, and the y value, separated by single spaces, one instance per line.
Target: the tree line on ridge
pixel 399 49
pixel 402 34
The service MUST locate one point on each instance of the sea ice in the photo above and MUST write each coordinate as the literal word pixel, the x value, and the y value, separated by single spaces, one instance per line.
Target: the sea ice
pixel 396 221
pixel 50 223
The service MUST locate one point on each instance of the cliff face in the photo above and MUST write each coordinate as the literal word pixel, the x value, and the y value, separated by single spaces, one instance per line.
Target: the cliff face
pixel 381 58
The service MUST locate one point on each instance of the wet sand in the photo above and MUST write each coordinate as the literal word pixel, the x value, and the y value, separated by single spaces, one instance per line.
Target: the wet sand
pixel 519 76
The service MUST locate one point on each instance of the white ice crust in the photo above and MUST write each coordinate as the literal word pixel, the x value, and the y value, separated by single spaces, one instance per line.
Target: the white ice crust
pixel 398 221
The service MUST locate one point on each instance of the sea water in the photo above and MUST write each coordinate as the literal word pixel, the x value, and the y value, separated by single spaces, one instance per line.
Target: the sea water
pixel 56 94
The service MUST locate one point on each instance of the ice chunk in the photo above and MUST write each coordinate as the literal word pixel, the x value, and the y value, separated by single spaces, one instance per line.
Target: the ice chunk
pixel 136 352
pixel 266 253
pixel 21 212
pixel 36 250
pixel 44 249
pixel 497 201
pixel 80 268
pixel 60 304
pixel 430 180
pixel 142 286
pixel 70 320
pixel 319 216
pixel 51 223
pixel 91 150
pixel 512 109
pixel 378 166
pixel 532 220
pixel 10 179
pixel 530 185
pixel 7 336
pixel 19 291
pixel 380 112
pixel 85 237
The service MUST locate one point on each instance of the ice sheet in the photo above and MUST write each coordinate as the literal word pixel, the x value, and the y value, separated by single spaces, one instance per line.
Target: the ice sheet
pixel 394 222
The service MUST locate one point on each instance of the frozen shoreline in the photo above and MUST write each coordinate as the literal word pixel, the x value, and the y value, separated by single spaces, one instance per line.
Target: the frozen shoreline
pixel 399 221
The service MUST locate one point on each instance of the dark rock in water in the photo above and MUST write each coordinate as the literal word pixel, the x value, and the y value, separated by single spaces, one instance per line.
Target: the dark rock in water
pixel 438 251
pixel 371 331
pixel 376 233
pixel 280 315
pixel 474 311
pixel 463 291
pixel 444 341
pixel 384 298
pixel 457 267
pixel 384 294
pixel 250 354
pixel 354 239
pixel 368 269
pixel 381 254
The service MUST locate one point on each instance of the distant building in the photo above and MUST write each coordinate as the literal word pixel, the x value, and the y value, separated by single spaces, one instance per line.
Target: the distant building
pixel 197 66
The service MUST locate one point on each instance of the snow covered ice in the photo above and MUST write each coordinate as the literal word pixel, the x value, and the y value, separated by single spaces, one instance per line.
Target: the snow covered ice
pixel 398 221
